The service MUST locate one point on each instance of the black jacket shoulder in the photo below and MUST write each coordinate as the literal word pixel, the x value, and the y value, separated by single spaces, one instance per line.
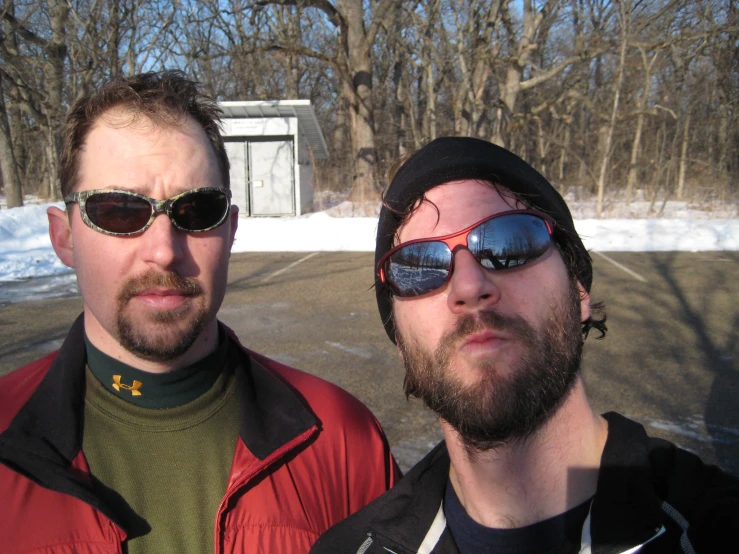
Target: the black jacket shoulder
pixel 705 496
pixel 396 517
pixel 650 495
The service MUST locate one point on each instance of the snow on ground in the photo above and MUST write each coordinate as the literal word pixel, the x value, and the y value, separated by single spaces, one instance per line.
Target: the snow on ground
pixel 25 249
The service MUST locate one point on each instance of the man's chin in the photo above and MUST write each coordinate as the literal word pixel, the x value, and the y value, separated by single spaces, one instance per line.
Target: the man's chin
pixel 471 371
pixel 158 346
pixel 160 335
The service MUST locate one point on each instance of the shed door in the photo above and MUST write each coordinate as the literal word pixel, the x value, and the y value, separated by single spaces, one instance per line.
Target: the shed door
pixel 237 158
pixel 272 184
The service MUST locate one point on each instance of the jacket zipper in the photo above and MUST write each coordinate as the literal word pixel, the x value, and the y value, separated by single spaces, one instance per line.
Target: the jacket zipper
pixel 276 456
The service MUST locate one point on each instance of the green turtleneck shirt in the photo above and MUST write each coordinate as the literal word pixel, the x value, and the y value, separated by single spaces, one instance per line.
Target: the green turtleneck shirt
pixel 163 469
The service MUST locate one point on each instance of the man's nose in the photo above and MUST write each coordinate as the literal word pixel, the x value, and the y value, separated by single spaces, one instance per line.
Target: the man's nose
pixel 162 244
pixel 471 287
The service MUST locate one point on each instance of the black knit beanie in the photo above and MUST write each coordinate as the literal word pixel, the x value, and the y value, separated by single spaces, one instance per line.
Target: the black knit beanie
pixel 449 159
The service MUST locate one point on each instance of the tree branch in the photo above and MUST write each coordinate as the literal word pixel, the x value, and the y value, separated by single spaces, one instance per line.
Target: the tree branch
pixel 24 32
pixel 380 13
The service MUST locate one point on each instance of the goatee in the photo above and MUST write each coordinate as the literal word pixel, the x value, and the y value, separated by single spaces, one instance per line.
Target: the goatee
pixel 501 407
pixel 162 335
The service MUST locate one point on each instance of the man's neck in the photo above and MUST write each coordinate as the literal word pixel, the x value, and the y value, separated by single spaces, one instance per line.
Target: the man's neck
pixel 206 343
pixel 529 481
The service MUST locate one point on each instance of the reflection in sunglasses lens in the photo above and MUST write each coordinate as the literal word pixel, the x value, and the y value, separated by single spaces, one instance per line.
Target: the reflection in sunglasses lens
pixel 418 268
pixel 200 210
pixel 503 242
pixel 509 241
pixel 118 213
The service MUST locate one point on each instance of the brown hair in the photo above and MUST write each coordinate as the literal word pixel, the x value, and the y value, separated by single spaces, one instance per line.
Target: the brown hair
pixel 166 98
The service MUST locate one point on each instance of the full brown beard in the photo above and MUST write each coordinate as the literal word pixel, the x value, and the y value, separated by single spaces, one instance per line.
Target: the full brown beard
pixel 177 329
pixel 499 409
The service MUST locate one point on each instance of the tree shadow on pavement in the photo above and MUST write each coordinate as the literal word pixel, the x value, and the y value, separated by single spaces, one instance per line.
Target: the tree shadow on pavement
pixel 720 360
pixel 670 357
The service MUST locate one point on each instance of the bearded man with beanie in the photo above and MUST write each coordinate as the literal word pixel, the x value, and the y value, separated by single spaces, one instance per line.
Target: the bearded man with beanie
pixel 484 285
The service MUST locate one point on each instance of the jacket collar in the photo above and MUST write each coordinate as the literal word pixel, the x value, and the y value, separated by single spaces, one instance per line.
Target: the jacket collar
pixel 404 520
pixel 626 511
pixel 45 436
pixel 273 413
pixel 51 419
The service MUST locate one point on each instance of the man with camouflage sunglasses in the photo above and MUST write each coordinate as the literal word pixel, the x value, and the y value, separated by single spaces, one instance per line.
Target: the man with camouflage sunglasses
pixel 153 430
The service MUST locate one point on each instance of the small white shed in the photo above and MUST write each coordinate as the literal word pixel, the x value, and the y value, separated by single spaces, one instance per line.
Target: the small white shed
pixel 270 145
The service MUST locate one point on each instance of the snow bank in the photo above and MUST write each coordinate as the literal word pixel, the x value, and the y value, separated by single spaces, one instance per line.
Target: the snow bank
pixel 25 248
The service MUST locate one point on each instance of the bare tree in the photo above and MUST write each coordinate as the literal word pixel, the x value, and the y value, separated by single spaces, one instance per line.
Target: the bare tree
pixel 352 62
pixel 8 165
pixel 42 100
pixel 624 12
pixel 56 51
pixel 648 61
pixel 555 81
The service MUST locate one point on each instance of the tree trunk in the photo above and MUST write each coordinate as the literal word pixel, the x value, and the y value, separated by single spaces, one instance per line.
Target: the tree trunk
pixel 563 154
pixel 497 137
pixel 542 146
pixel 633 165
pixel 683 158
pixel 509 94
pixel 401 101
pixel 427 82
pixel 339 134
pixel 14 116
pixel 636 145
pixel 292 62
pixel 430 102
pixel 51 152
pixel 723 149
pixel 614 113
pixel 474 51
pixel 114 66
pixel 458 102
pixel 510 89
pixel 365 154
pixel 8 165
pixel 20 147
pixel 339 159
pixel 57 52
pixel 361 107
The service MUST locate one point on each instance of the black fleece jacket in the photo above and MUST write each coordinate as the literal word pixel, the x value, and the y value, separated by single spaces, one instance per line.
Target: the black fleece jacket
pixel 649 493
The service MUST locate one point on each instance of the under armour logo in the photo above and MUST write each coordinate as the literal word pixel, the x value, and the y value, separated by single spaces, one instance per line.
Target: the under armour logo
pixel 117 385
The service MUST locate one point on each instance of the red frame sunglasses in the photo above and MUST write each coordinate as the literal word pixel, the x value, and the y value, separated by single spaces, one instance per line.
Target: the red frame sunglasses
pixel 502 241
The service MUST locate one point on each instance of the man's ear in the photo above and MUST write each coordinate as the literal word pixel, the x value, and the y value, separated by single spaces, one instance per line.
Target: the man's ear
pixel 60 233
pixel 585 311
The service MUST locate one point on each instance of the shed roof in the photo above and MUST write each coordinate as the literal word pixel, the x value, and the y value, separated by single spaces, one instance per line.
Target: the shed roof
pixel 283 108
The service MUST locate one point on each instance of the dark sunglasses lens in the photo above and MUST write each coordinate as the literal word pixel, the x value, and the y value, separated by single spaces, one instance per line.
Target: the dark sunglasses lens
pixel 118 213
pixel 418 268
pixel 200 210
pixel 509 241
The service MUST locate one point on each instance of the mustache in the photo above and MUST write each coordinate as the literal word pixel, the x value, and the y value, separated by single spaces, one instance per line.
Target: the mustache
pixel 488 320
pixel 154 279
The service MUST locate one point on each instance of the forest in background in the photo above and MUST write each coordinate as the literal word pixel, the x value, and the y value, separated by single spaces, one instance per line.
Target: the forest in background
pixel 609 99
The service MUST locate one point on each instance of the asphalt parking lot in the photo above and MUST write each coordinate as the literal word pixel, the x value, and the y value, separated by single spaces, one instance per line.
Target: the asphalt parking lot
pixel 670 360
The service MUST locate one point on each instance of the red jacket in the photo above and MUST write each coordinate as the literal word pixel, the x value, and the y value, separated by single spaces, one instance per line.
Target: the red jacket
pixel 309 455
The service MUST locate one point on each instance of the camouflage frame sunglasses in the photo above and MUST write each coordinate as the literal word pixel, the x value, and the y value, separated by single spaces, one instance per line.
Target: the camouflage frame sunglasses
pixel 122 212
